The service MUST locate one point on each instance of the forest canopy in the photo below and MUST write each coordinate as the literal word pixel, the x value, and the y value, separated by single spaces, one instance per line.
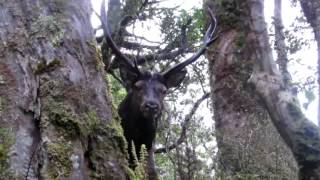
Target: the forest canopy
pixel 96 92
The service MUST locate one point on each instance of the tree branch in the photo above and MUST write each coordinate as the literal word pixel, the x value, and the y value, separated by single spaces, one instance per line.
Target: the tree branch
pixel 167 52
pixel 280 45
pixel 301 135
pixel 137 46
pixel 185 126
pixel 140 37
pixel 161 56
pixel 128 18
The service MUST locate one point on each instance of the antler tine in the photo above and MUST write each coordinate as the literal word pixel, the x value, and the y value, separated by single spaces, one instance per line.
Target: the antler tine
pixel 115 49
pixel 207 40
pixel 212 28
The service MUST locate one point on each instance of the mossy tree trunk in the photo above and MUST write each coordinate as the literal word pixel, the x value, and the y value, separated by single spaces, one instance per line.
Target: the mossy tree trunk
pixel 249 144
pixel 246 18
pixel 301 135
pixel 56 117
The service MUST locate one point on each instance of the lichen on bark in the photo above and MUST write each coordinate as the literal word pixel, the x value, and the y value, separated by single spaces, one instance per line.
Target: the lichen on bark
pixel 59 152
pixel 48 27
pixel 6 141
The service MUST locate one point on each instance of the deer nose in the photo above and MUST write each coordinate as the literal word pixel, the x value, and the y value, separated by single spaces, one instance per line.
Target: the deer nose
pixel 152 105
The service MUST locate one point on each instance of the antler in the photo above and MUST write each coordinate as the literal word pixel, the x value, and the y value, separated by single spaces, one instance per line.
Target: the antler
pixel 115 49
pixel 207 40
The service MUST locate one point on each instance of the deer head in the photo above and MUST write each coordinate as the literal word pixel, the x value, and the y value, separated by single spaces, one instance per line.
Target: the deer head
pixel 149 89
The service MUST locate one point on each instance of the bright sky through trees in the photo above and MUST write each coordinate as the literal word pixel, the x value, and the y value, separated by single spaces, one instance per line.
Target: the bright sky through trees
pixel 308 55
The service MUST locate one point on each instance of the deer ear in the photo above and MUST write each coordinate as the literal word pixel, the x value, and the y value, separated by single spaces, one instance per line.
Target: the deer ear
pixel 128 77
pixel 173 79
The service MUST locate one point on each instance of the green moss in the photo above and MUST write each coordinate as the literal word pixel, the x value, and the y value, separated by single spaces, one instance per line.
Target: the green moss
pixel 72 125
pixel 6 141
pixel 43 67
pixel 240 41
pixel 108 138
pixel 48 27
pixel 107 146
pixel 229 11
pixel 40 68
pixel 59 153
pixel 107 143
pixel 97 53
pixel 64 119
pixel 117 132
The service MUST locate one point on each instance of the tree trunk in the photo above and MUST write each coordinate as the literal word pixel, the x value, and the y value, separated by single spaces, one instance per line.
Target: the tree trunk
pixel 311 10
pixel 249 145
pixel 279 44
pixel 302 136
pixel 56 116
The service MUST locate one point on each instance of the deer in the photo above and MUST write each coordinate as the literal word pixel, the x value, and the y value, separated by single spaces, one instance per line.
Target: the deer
pixel 141 108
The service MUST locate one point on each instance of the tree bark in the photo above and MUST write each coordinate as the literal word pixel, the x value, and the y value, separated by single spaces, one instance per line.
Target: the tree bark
pixel 56 116
pixel 311 10
pixel 248 143
pixel 302 136
pixel 280 45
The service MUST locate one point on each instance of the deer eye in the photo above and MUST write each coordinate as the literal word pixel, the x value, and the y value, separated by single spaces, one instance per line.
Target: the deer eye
pixel 138 85
pixel 163 90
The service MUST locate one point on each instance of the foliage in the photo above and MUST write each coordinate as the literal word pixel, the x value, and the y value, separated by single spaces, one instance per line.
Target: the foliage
pixel 198 149
pixel 117 90
pixel 141 165
pixel 298 42
pixel 172 22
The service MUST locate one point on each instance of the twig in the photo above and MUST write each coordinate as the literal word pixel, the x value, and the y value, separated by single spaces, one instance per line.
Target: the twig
pixel 185 126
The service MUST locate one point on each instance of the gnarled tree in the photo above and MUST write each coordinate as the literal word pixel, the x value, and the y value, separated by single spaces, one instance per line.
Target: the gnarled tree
pixel 301 136
pixel 56 117
pixel 249 144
